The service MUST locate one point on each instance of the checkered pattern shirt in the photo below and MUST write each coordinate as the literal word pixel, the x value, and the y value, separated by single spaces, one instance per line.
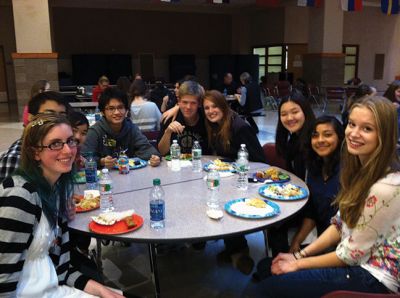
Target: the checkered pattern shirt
pixel 9 160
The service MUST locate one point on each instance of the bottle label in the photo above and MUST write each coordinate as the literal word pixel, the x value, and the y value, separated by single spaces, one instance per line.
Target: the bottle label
pixel 212 183
pixel 157 211
pixel 196 153
pixel 91 175
pixel 105 187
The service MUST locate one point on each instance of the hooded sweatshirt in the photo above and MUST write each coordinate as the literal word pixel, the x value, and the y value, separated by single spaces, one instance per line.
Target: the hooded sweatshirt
pixel 102 141
pixel 374 243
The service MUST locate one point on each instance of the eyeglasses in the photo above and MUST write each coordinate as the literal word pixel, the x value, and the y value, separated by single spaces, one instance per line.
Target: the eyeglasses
pixel 58 145
pixel 112 109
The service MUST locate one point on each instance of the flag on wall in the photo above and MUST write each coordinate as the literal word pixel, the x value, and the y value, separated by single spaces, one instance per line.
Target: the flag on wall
pixel 309 3
pixel 270 3
pixel 352 5
pixel 390 7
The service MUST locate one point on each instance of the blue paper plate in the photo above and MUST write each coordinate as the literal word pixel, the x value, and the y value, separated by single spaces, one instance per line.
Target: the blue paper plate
pixel 206 168
pixel 140 163
pixel 303 193
pixel 228 208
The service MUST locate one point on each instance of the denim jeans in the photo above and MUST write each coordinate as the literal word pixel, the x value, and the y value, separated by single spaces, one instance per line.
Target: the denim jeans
pixel 317 282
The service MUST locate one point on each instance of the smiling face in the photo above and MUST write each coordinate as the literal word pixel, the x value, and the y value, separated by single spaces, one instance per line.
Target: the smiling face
pixel 80 132
pixel 397 94
pixel 292 116
pixel 189 105
pixel 324 140
pixel 213 113
pixel 56 162
pixel 362 133
pixel 115 113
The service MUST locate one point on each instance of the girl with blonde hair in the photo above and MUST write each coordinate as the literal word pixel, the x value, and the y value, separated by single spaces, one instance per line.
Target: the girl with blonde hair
pixel 366 229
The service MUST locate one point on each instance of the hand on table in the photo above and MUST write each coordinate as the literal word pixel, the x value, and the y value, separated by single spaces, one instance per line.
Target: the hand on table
pixel 175 127
pixel 284 263
pixel 154 161
pixel 108 161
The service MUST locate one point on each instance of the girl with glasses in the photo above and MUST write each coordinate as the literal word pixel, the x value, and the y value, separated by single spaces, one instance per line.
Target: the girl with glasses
pixel 34 205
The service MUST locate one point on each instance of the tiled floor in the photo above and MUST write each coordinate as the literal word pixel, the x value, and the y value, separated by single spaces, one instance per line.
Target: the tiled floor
pixel 183 273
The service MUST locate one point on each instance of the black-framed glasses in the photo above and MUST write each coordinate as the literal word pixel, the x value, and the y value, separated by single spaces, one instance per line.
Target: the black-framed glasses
pixel 58 145
pixel 112 109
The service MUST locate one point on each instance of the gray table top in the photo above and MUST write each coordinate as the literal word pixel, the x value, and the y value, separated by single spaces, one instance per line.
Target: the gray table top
pixel 185 197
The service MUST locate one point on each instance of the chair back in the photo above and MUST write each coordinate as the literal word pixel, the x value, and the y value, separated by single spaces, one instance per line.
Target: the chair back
pixel 272 157
pixel 152 136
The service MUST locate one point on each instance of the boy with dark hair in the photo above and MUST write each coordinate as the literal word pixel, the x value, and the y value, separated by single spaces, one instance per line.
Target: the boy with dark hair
pixel 115 132
pixel 43 103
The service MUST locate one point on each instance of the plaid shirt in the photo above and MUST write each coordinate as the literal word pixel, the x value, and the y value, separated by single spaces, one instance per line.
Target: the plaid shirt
pixel 9 160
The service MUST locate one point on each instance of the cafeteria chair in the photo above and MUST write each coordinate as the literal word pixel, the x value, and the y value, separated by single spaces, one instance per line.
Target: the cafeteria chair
pixel 351 294
pixel 152 136
pixel 335 95
pixel 316 96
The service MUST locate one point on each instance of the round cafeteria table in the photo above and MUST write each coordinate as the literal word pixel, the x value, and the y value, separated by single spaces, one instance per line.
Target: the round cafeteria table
pixel 185 199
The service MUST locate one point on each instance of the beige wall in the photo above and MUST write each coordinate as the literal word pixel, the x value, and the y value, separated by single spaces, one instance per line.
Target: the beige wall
pixel 296 24
pixel 32 26
pixel 375 33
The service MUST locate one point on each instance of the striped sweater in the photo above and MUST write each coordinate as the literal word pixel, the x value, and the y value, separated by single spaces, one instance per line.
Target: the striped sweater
pixel 20 213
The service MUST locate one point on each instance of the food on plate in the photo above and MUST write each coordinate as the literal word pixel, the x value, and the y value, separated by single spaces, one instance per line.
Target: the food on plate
pixel 134 162
pixel 219 165
pixel 110 218
pixel 251 207
pixel 186 156
pixel 272 173
pixel 90 200
pixel 256 202
pixel 287 190
pixel 129 221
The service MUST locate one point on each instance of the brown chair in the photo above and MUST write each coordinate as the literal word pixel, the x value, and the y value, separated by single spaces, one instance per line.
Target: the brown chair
pixel 335 95
pixel 152 136
pixel 272 157
pixel 350 294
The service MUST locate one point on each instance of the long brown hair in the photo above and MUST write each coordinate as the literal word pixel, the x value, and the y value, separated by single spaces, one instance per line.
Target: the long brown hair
pixel 357 179
pixel 219 132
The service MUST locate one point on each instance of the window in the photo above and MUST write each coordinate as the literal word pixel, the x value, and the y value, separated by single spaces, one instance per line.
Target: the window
pixel 272 59
pixel 350 62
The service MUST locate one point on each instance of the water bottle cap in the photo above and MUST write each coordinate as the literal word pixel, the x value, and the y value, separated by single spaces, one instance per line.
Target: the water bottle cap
pixel 104 171
pixel 242 145
pixel 156 181
pixel 175 141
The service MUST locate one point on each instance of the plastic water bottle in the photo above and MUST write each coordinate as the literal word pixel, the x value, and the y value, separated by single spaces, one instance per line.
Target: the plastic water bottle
pixel 196 157
pixel 213 182
pixel 106 195
pixel 91 171
pixel 242 166
pixel 97 114
pixel 175 152
pixel 157 205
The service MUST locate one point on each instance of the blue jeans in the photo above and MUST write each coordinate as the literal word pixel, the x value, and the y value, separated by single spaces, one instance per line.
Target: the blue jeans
pixel 317 282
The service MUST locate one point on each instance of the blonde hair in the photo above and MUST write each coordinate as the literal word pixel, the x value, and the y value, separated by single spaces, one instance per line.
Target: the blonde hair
pixel 357 179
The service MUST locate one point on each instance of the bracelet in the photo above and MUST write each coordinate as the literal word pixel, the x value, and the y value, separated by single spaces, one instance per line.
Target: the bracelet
pixel 297 255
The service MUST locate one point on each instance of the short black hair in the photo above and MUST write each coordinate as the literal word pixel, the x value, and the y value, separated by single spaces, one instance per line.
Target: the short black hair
pixel 77 118
pixel 36 102
pixel 112 93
